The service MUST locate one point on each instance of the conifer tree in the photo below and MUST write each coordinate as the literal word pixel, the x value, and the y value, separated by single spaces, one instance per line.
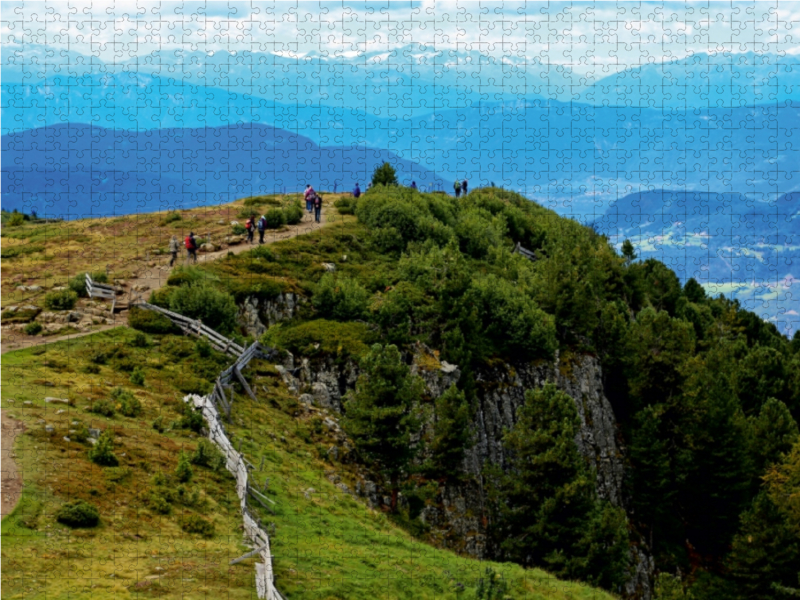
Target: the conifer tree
pixel 451 433
pixel 378 413
pixel 384 175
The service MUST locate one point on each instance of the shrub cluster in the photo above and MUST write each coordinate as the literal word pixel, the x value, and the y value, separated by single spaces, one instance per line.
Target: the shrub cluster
pixel 78 514
pixel 60 300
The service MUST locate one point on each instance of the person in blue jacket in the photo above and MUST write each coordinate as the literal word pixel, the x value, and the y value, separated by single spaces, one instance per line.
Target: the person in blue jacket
pixel 413 185
pixel 356 191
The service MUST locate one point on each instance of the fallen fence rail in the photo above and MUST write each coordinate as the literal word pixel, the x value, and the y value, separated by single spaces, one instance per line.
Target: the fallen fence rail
pixel 529 254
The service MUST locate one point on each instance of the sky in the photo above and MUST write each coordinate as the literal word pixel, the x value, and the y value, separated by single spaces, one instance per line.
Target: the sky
pixel 594 39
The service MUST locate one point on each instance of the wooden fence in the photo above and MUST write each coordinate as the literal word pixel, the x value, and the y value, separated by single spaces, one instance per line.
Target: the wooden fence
pixel 234 461
pixel 101 290
pixel 529 254
pixel 194 327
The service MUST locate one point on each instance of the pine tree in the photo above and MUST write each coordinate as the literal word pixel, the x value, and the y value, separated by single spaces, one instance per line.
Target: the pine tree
pixel 384 175
pixel 451 433
pixel 544 503
pixel 378 413
pixel 628 251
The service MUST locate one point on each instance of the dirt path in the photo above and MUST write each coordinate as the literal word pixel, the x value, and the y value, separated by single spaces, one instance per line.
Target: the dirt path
pixel 11 480
pixel 154 277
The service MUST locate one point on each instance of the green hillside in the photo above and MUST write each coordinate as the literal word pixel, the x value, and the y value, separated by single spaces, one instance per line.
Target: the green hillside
pixel 706 395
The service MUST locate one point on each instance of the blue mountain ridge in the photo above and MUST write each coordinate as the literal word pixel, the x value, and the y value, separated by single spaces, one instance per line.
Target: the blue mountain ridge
pixel 77 170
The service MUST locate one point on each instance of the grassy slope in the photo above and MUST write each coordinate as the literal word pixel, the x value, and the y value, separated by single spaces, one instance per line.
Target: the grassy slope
pixel 327 544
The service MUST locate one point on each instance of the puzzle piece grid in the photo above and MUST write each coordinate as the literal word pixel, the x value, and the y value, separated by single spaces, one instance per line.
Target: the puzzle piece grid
pixel 134 130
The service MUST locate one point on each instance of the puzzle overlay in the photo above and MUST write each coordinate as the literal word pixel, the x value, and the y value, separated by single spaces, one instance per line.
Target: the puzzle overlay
pixel 667 124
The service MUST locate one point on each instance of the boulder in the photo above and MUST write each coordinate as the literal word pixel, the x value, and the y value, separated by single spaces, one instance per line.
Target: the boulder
pixel 208 247
pixel 329 267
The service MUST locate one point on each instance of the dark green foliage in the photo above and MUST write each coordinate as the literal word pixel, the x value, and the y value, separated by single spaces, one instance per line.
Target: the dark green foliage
pixel 491 586
pixel 140 340
pixel 293 213
pixel 78 514
pixel 262 252
pixel 629 252
pixel 137 376
pixel 378 413
pixel 103 407
pixel 129 405
pixel 208 455
pixel 451 434
pixel 21 315
pixel 765 552
pixel 78 283
pixel 340 298
pixel 200 300
pixel 760 375
pixel 275 218
pixel 346 206
pixel 321 337
pixel 238 229
pixel 160 424
pixel 203 347
pixel 102 453
pixel 149 321
pixel 183 472
pixel 384 175
pixel 60 300
pixel 544 504
pixel 33 328
pixel 693 291
pixel 196 524
pixel 172 217
pixel 774 434
pixel 190 419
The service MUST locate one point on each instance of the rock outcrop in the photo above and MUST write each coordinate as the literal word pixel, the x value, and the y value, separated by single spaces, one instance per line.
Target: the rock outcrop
pixel 257 315
pixel 458 518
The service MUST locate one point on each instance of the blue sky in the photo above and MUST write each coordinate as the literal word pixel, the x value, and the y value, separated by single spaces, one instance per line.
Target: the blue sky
pixel 592 39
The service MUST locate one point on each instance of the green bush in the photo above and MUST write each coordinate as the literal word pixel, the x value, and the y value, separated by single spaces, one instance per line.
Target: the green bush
pixel 208 455
pixel 140 340
pixel 345 206
pixel 78 283
pixel 102 453
pixel 150 321
pixel 262 252
pixel 158 503
pixel 61 300
pixel 159 424
pixel 22 315
pixel 171 217
pixel 16 219
pixel 197 524
pixel 128 404
pixel 103 407
pixel 321 337
pixel 203 347
pixel 184 469
pixel 340 298
pixel 216 309
pixel 293 213
pixel 137 376
pixel 191 419
pixel 78 514
pixel 238 229
pixel 275 218
pixel 33 328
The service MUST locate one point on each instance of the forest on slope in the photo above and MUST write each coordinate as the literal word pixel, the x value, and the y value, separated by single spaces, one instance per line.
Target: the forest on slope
pixel 706 395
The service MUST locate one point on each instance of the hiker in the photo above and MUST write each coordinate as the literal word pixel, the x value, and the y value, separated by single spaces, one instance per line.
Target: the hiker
pixel 457 188
pixel 191 247
pixel 356 191
pixel 250 226
pixel 317 207
pixel 174 246
pixel 413 185
pixel 464 187
pixel 262 227
pixel 309 196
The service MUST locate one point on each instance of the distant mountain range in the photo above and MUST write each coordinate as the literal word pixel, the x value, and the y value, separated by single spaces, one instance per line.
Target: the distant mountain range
pixel 76 170
pixel 728 242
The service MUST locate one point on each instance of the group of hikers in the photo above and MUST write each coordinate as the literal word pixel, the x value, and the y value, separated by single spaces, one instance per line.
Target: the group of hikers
pixel 313 204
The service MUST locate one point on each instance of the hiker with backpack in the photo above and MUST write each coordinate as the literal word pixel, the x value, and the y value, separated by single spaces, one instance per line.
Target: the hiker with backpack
pixel 262 227
pixel 413 185
pixel 317 207
pixel 250 226
pixel 464 187
pixel 457 188
pixel 174 247
pixel 191 247
pixel 356 191
pixel 309 196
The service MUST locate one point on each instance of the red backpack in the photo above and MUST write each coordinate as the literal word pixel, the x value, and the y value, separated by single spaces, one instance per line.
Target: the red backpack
pixel 189 243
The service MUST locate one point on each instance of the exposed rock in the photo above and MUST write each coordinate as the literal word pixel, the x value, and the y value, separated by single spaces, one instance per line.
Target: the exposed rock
pixel 307 399
pixel 62 400
pixel 329 267
pixel 308 493
pixel 257 315
pixel 208 247
pixel 333 453
pixel 233 240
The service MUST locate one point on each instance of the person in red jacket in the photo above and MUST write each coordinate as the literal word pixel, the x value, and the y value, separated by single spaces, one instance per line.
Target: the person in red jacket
pixel 191 247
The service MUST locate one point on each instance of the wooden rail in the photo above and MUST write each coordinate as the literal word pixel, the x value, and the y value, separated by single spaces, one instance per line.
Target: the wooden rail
pixel 529 254
pixel 235 462
pixel 101 290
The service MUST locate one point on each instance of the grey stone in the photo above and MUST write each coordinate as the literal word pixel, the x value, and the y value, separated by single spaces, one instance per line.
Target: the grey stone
pixel 94 433
pixel 308 493
pixel 62 400
pixel 329 267
pixel 49 428
pixel 333 453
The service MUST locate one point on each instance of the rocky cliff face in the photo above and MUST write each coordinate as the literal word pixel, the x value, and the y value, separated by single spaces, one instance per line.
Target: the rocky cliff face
pixel 458 519
pixel 256 315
